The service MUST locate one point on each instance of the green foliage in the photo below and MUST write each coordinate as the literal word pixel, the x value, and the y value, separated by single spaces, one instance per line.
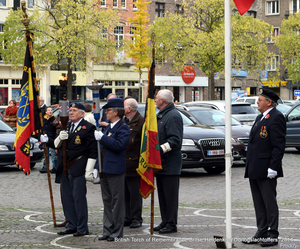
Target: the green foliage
pixel 288 43
pixel 138 46
pixel 196 37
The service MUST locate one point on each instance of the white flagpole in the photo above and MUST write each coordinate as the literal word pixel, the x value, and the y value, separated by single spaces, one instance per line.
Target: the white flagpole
pixel 228 155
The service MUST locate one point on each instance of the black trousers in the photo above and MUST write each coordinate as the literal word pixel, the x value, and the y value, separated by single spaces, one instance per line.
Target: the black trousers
pixel 133 199
pixel 168 195
pixel 265 205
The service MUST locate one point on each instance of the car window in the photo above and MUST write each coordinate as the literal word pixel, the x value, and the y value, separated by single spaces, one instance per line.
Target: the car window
pixel 295 114
pixel 240 100
pixel 186 120
pixel 283 108
pixel 242 109
pixel 5 128
pixel 251 101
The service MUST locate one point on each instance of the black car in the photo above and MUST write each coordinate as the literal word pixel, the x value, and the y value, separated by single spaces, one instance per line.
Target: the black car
pixel 202 146
pixel 292 118
pixel 216 119
pixel 7 153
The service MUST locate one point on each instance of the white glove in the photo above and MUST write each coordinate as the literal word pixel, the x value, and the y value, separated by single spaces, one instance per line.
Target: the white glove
pixel 89 169
pixel 44 138
pixel 96 173
pixel 271 173
pixel 98 135
pixel 63 135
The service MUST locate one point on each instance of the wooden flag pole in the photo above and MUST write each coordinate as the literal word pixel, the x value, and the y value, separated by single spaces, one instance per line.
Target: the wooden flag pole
pixel 26 22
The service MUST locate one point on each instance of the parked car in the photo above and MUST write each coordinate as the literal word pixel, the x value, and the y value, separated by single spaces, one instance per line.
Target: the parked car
pixel 216 119
pixel 280 107
pixel 290 102
pixel 292 118
pixel 202 146
pixel 241 111
pixel 253 100
pixel 7 153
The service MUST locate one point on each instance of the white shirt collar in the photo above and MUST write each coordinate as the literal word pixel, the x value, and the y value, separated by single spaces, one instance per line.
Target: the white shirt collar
pixel 76 124
pixel 266 112
pixel 113 124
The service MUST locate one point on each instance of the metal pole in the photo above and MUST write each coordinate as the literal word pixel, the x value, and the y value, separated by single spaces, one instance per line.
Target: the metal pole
pixel 228 153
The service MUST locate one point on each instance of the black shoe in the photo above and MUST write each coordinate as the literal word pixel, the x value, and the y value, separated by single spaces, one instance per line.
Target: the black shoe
pixel 103 238
pixel 43 171
pixel 112 238
pixel 253 240
pixel 53 171
pixel 135 224
pixel 168 230
pixel 77 234
pixel 67 231
pixel 269 242
pixel 157 228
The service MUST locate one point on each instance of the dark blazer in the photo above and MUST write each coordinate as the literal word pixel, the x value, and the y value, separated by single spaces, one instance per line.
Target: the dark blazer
pixel 134 146
pixel 115 142
pixel 266 146
pixel 80 143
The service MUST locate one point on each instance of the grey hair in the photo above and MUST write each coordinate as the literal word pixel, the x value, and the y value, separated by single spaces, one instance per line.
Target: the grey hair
pixel 111 94
pixel 166 95
pixel 120 111
pixel 132 103
pixel 274 104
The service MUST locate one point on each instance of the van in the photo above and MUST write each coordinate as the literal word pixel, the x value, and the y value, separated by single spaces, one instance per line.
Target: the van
pixel 253 100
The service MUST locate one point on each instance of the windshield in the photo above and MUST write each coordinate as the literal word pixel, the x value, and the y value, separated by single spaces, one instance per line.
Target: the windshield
pixel 5 128
pixel 242 109
pixel 211 117
pixel 283 108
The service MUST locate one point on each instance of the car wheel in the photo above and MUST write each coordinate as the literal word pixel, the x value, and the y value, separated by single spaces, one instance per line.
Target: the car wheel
pixel 298 148
pixel 215 170
pixel 32 165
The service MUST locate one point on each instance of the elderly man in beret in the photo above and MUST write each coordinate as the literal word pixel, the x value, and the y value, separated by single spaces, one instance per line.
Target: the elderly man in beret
pixel 81 150
pixel 114 141
pixel 264 165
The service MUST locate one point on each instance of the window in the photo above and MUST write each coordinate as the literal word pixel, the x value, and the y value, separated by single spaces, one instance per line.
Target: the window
pixel 16 4
pixel 119 36
pixel 119 83
pixel 115 3
pixel 295 6
pixel 103 3
pixel 131 83
pixel 179 9
pixel 273 63
pixel 3 81
pixel 30 3
pixel 272 7
pixel 250 13
pixel 104 33
pixel 3 94
pixel 134 6
pixel 123 4
pixel 159 9
pixel 16 82
pixel 2 3
pixel 273 36
pixel 132 32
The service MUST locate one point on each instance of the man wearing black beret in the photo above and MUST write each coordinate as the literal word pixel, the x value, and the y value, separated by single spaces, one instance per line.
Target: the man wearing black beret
pixel 81 150
pixel 264 165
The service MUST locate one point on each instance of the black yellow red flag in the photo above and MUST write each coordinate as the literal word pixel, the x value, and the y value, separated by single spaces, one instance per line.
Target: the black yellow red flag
pixel 150 160
pixel 29 113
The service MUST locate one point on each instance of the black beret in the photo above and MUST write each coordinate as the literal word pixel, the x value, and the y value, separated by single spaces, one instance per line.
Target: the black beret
pixel 77 105
pixel 114 102
pixel 269 94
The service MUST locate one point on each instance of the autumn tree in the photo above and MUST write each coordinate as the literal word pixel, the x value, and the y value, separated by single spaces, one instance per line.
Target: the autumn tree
pixel 289 45
pixel 195 36
pixel 138 45
pixel 73 30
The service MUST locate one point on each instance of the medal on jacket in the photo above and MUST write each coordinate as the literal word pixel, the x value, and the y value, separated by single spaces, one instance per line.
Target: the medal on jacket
pixel 109 134
pixel 77 140
pixel 263 132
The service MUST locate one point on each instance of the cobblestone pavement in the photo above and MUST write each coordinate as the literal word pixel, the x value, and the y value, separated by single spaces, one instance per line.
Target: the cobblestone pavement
pixel 26 217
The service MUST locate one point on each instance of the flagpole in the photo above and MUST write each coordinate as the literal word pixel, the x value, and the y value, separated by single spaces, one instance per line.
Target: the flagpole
pixel 26 22
pixel 228 154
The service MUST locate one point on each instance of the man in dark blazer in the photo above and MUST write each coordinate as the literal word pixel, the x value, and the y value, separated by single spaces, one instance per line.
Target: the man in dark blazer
pixel 133 198
pixel 81 149
pixel 114 141
pixel 264 165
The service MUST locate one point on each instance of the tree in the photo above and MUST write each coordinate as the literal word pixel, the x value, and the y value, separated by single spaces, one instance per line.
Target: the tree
pixel 196 37
pixel 138 45
pixel 289 45
pixel 73 30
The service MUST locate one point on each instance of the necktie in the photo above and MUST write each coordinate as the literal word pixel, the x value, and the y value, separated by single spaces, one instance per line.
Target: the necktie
pixel 72 128
pixel 257 122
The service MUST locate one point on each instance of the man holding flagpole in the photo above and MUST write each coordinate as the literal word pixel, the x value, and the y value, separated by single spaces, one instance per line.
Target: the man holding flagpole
pixel 170 133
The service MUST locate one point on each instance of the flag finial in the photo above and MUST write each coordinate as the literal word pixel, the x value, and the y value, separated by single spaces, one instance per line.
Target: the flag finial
pixel 25 20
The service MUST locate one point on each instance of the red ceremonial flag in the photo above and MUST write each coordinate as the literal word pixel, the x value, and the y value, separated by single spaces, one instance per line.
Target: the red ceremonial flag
pixel 150 160
pixel 29 112
pixel 243 5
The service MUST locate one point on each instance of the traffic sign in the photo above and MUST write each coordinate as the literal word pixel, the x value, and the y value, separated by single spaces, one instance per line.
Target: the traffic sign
pixel 296 92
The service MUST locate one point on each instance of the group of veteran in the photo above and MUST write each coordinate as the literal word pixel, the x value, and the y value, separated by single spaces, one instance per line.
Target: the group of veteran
pixel 120 150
